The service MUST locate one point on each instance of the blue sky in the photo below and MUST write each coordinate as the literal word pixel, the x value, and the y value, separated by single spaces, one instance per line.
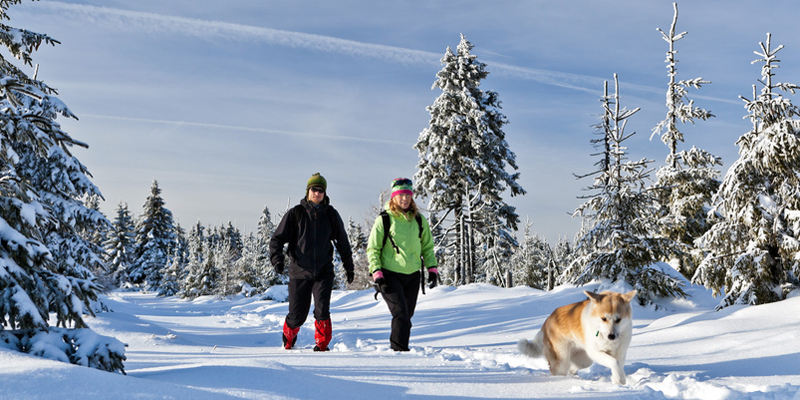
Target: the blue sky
pixel 232 105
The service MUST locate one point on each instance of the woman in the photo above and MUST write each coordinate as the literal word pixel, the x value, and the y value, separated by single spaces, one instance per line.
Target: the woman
pixel 396 268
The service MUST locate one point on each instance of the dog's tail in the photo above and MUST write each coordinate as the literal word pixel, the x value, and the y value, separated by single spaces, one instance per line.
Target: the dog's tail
pixel 531 348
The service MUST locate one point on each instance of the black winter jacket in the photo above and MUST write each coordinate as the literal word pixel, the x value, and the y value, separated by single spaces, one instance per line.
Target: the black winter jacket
pixel 311 240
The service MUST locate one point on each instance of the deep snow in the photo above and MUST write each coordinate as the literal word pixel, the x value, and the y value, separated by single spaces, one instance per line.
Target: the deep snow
pixel 463 346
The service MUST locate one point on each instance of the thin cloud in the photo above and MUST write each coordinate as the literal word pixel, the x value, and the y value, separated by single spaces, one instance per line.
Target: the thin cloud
pixel 157 23
pixel 246 129
pixel 204 29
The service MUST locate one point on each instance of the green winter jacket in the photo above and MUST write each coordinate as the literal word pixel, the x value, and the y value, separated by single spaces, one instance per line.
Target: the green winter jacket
pixel 405 232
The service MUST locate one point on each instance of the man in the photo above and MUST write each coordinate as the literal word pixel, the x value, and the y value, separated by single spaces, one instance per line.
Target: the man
pixel 311 230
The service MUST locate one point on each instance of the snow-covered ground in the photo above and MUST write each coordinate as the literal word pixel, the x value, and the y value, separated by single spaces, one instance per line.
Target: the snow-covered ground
pixel 463 346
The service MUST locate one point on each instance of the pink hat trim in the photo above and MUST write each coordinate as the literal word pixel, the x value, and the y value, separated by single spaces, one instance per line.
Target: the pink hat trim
pixel 402 191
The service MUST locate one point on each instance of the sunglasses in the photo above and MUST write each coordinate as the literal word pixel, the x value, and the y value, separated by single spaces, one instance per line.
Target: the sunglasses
pixel 402 182
pixel 316 189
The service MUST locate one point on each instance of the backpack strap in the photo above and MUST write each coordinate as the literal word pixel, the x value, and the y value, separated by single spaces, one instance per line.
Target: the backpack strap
pixel 387 222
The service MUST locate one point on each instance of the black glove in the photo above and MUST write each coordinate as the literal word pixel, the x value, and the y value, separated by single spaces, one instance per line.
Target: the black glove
pixel 380 282
pixel 350 276
pixel 279 269
pixel 382 286
pixel 433 277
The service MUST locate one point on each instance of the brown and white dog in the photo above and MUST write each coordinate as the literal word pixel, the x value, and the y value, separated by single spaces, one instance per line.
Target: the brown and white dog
pixel 597 329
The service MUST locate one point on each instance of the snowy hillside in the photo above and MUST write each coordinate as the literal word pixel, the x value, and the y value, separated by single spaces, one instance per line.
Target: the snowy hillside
pixel 463 346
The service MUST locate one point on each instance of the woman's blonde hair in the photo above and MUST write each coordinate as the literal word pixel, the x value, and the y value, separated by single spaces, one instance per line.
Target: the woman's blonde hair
pixel 412 208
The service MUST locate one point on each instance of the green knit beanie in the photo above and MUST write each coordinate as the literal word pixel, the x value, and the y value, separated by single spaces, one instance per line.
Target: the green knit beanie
pixel 317 180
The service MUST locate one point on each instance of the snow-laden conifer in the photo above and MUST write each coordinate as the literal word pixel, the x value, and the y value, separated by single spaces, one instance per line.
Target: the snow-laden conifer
pixel 224 253
pixel 46 261
pixel 201 275
pixel 119 245
pixel 686 183
pixel 358 244
pixel 155 241
pixel 618 244
pixel 754 251
pixel 534 262
pixel 463 156
pixel 250 266
pixel 266 228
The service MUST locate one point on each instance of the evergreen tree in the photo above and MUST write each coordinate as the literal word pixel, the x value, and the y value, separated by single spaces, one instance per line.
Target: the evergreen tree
pixel 233 237
pixel 463 157
pixel 170 284
pixel 619 246
pixel 534 262
pixel 564 255
pixel 497 251
pixel 119 245
pixel 224 256
pixel 180 252
pixel 251 277
pixel 173 274
pixel 754 251
pixel 266 228
pixel 155 241
pixel 45 263
pixel 199 272
pixel 686 184
pixel 358 243
pixel 93 233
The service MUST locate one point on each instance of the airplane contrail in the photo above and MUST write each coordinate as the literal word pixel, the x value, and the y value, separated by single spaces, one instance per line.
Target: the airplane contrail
pixel 158 23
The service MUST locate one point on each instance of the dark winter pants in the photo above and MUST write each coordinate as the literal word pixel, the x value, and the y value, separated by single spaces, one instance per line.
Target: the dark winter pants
pixel 300 293
pixel 401 298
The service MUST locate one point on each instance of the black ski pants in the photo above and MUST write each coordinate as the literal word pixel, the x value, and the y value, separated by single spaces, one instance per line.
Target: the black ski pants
pixel 300 293
pixel 401 298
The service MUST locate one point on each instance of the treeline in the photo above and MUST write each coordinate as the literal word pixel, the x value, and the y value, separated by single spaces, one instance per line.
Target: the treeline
pixel 150 251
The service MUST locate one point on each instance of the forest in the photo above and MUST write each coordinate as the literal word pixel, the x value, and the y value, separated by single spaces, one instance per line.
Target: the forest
pixel 736 234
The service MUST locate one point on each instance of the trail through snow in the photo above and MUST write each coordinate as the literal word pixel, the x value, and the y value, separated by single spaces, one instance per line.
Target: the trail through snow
pixel 463 346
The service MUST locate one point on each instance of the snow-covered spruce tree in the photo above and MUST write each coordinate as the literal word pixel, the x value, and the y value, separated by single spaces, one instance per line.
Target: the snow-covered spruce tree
pixel 564 255
pixel 250 266
pixel 69 232
pixel 534 262
pixel 497 249
pixel 45 262
pixel 155 241
pixel 224 255
pixel 618 244
pixel 463 156
pixel 197 276
pixel 687 182
pixel 358 243
pixel 754 251
pixel 445 255
pixel 173 274
pixel 170 284
pixel 95 234
pixel 119 245
pixel 266 228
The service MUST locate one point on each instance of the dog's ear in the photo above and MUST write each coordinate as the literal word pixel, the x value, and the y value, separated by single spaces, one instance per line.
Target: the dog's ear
pixel 596 297
pixel 629 296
